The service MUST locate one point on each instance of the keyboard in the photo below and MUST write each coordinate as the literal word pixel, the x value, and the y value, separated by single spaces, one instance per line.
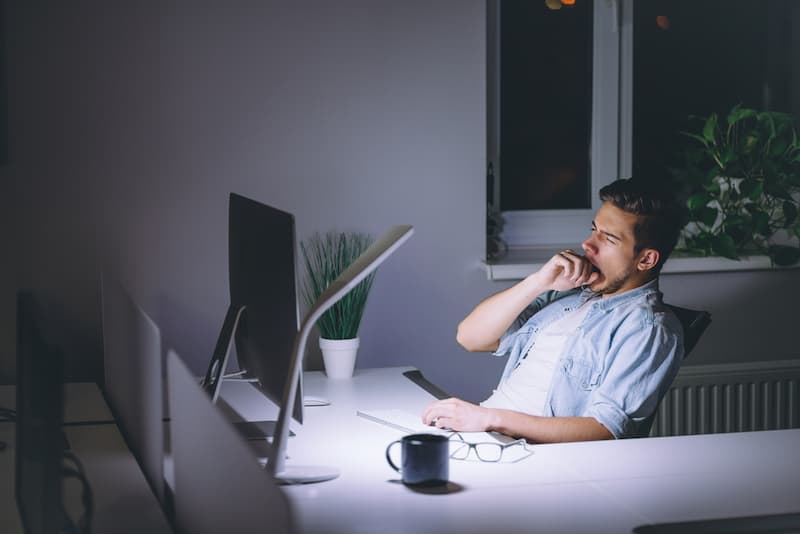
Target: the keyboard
pixel 410 423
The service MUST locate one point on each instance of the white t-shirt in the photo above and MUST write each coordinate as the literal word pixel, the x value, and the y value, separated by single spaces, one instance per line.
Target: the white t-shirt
pixel 526 388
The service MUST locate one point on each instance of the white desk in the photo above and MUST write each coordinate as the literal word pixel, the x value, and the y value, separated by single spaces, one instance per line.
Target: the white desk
pixel 123 501
pixel 581 487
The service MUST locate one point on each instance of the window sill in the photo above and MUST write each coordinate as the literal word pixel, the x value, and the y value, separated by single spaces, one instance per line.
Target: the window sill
pixel 520 262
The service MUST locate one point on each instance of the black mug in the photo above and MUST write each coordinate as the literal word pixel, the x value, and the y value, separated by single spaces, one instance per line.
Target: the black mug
pixel 425 459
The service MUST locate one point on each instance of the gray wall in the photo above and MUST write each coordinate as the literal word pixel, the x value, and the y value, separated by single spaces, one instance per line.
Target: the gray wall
pixel 131 124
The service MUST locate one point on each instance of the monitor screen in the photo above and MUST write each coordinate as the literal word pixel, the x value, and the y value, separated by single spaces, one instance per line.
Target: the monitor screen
pixel 263 315
pixel 39 438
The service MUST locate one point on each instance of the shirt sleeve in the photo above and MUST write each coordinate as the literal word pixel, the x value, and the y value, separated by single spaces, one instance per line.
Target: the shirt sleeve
pixel 640 367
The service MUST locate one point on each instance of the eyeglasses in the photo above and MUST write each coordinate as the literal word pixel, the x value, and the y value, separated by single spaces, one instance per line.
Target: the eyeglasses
pixel 485 451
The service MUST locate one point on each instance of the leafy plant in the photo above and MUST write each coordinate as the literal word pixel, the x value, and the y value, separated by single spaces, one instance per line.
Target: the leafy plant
pixel 325 258
pixel 742 185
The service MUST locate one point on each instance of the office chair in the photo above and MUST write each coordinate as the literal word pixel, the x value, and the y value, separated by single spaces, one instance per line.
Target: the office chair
pixel 694 323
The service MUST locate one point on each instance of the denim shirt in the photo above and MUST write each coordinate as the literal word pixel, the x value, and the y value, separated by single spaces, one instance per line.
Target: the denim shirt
pixel 620 362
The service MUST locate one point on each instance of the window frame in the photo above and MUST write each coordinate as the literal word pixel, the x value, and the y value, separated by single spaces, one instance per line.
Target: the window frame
pixel 611 127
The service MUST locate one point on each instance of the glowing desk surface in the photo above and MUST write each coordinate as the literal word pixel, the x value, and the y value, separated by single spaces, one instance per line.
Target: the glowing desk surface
pixel 611 486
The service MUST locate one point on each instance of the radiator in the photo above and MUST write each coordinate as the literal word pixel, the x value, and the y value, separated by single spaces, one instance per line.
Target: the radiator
pixel 706 399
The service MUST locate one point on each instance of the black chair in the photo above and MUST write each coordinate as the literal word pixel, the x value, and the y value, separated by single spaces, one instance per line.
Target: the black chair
pixel 694 323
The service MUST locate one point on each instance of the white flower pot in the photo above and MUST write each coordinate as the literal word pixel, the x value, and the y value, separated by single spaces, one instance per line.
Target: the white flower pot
pixel 339 356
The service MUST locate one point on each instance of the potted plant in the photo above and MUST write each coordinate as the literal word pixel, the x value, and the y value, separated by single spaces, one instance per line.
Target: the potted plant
pixel 325 258
pixel 741 181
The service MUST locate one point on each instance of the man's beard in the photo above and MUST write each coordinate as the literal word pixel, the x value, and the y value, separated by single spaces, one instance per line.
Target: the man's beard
pixel 614 285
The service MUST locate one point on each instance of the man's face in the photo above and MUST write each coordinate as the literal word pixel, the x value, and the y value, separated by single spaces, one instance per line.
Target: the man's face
pixel 610 248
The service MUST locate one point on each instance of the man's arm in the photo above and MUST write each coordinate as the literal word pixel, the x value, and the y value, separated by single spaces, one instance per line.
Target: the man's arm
pixel 460 415
pixel 482 329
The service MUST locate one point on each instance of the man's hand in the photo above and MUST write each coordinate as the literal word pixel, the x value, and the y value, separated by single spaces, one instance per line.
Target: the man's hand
pixel 456 414
pixel 567 270
pixel 482 329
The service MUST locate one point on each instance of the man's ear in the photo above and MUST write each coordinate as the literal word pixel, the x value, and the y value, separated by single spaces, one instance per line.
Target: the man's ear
pixel 648 259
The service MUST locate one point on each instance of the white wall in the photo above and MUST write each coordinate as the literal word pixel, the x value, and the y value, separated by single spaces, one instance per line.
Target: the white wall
pixel 132 123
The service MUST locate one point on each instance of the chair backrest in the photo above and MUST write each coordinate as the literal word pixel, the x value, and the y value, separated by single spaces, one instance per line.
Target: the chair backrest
pixel 694 323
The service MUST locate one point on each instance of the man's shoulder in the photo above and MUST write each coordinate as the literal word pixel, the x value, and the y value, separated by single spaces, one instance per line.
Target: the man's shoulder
pixel 649 311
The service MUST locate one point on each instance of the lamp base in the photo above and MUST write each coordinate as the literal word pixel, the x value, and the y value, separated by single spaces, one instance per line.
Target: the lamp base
pixel 306 474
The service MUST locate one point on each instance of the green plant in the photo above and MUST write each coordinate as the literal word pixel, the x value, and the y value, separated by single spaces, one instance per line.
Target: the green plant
pixel 742 185
pixel 325 258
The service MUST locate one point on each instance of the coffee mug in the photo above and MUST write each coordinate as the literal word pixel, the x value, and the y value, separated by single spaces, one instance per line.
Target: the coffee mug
pixel 425 459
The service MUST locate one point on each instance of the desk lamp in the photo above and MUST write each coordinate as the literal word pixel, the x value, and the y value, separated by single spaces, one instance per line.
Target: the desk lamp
pixel 355 273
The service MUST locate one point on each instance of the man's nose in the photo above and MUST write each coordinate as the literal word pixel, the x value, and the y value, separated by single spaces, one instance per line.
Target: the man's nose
pixel 588 246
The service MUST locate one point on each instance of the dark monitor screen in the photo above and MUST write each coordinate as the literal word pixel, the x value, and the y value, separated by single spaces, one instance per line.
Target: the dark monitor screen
pixel 263 314
pixel 39 438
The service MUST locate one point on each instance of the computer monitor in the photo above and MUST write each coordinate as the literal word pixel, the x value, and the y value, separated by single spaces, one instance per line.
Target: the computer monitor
pixel 134 385
pixel 262 316
pixel 218 485
pixel 39 438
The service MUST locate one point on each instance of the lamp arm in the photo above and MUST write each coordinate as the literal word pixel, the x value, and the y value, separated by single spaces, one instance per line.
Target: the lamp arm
pixel 350 277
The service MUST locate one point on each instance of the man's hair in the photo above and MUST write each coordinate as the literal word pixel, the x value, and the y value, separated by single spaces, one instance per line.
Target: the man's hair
pixel 659 217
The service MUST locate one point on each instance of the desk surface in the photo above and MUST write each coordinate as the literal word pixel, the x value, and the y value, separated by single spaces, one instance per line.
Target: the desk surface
pixel 610 486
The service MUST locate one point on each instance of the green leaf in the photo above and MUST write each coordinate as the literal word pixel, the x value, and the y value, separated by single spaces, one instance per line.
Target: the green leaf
pixel 768 117
pixel 698 200
pixel 793 178
pixel 708 216
pixel 709 128
pixel 778 147
pixel 777 190
pixel 784 255
pixel 761 223
pixel 738 227
pixel 723 245
pixel 703 241
pixel 712 185
pixel 789 213
pixel 325 258
pixel 750 143
pixel 751 188
pixel 727 156
pixel 739 234
pixel 738 113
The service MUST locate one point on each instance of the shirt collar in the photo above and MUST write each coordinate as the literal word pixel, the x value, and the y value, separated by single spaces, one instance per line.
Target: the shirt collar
pixel 612 302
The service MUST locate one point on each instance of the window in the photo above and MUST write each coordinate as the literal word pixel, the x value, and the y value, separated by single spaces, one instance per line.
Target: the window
pixel 553 116
pixel 601 89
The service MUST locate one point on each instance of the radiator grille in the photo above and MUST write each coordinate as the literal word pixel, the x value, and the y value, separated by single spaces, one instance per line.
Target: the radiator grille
pixel 708 399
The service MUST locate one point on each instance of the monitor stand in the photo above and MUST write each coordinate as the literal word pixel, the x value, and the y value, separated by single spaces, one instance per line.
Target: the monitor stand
pixel 215 375
pixel 255 430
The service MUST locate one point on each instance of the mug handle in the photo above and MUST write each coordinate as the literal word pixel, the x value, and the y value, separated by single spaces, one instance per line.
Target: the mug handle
pixel 388 458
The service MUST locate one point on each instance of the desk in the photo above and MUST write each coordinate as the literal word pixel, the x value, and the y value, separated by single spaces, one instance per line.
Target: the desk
pixel 123 501
pixel 610 486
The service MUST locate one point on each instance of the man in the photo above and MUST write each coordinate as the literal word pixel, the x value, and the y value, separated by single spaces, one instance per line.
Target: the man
pixel 592 355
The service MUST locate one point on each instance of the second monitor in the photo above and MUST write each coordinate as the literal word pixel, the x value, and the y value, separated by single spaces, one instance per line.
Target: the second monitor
pixel 262 318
